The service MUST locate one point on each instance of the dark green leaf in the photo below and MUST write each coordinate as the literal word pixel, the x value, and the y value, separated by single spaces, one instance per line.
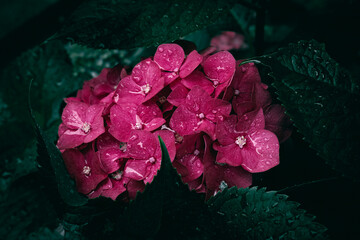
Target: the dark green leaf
pixel 323 101
pixel 128 24
pixel 24 208
pixel 48 150
pixel 165 208
pixel 51 71
pixel 256 214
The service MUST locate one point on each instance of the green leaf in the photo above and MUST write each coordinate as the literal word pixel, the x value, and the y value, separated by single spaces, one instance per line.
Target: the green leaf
pixel 165 208
pixel 256 214
pixel 323 101
pixel 48 150
pixel 49 67
pixel 24 208
pixel 128 24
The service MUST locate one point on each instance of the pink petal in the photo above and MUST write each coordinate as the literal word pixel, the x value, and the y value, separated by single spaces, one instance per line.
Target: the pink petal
pixel 99 79
pixel 109 159
pixel 230 154
pixel 227 41
pixel 189 144
pixel 262 152
pixel 123 120
pixel 133 187
pixel 148 111
pixel 183 121
pixel 154 124
pixel 128 92
pixel 246 73
pixel 197 78
pixel 175 84
pixel 220 67
pixel 71 139
pixel 74 115
pixel 192 61
pixel 206 53
pixel 104 185
pixel 156 87
pixel 237 176
pixel 146 72
pixel 207 127
pixel 118 187
pixel 226 130
pixel 221 88
pixel 136 169
pixel 197 100
pixel 62 129
pixel 142 145
pixel 102 90
pixel 251 122
pixel 115 74
pixel 169 140
pixel 214 174
pixel 94 118
pixel 169 57
pixel 106 140
pixel 169 77
pixel 84 168
pixel 193 165
pixel 197 185
pixel 178 95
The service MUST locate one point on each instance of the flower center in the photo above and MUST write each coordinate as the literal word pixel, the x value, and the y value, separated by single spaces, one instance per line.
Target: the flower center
pixel 146 88
pixel 178 138
pixel 152 160
pixel 123 146
pixel 196 152
pixel 241 141
pixel 86 170
pixel 223 185
pixel 201 115
pixel 86 127
pixel 138 124
pixel 117 175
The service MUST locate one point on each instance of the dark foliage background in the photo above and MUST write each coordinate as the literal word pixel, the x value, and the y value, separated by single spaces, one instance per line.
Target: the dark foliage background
pixel 29 210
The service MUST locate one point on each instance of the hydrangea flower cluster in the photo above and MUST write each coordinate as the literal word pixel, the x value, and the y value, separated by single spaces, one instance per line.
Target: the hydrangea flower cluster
pixel 213 113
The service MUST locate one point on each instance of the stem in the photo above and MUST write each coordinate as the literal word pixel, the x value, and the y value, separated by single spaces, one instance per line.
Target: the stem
pixel 307 183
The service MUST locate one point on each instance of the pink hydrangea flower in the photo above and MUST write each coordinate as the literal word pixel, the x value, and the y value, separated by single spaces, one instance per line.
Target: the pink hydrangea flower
pixel 199 113
pixel 126 117
pixel 81 124
pixel 244 142
pixel 227 41
pixel 109 131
